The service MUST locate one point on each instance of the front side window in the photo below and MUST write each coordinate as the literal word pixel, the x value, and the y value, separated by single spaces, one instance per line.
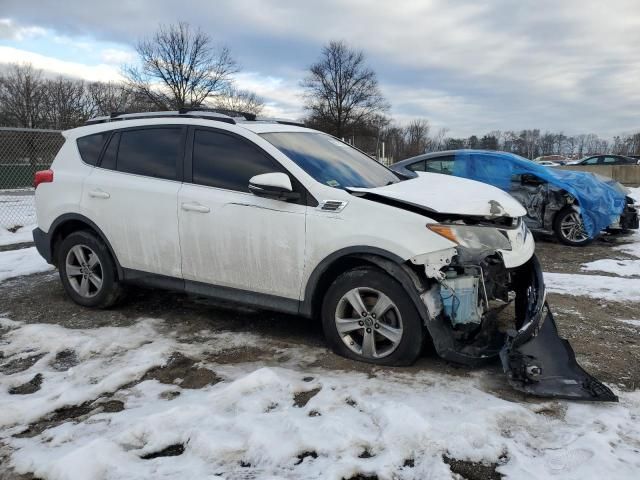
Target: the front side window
pixel 226 161
pixel 91 146
pixel 330 161
pixel 591 161
pixel 153 152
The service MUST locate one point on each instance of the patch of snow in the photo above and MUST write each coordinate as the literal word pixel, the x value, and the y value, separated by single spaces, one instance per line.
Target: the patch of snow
pixel 635 323
pixel 17 207
pixel 250 419
pixel 632 245
pixel 596 286
pixel 23 234
pixel 25 261
pixel 623 268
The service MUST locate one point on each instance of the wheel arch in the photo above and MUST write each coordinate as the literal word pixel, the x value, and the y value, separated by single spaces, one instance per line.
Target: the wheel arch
pixel 73 222
pixel 352 257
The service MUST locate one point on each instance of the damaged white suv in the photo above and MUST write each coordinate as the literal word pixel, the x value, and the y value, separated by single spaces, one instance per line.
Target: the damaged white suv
pixel 277 216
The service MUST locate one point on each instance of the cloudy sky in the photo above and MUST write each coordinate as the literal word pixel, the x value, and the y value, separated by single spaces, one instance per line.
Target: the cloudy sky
pixel 471 66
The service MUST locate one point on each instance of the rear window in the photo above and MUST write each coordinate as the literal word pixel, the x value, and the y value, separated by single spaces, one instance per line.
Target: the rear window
pixel 91 146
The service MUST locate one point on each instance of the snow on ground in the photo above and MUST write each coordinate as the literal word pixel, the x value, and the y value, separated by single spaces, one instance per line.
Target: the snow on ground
pixel 621 267
pixel 17 207
pixel 25 261
pixel 247 426
pixel 635 323
pixel 596 286
pixel 23 234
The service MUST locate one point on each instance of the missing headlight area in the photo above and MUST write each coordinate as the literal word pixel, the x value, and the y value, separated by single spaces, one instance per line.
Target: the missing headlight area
pixel 479 310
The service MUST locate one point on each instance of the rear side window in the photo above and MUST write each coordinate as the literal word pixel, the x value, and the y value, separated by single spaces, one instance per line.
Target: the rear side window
pixel 417 167
pixel 153 152
pixel 91 146
pixel 226 161
pixel 442 165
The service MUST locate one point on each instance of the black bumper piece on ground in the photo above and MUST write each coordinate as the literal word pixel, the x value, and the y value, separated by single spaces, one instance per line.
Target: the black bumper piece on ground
pixel 536 359
pixel 43 244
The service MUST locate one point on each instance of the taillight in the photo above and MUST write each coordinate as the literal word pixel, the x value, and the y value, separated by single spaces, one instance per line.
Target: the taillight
pixel 43 176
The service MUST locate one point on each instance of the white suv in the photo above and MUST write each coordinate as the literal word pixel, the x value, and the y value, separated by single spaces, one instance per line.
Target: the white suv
pixel 274 215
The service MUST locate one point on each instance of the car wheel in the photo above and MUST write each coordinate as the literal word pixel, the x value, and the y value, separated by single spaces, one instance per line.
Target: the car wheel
pixel 569 228
pixel 87 271
pixel 368 316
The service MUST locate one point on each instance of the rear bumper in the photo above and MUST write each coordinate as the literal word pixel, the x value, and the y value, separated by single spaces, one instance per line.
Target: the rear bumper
pixel 43 244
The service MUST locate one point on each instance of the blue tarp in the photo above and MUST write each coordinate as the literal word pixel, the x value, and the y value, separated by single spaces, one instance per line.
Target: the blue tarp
pixel 600 201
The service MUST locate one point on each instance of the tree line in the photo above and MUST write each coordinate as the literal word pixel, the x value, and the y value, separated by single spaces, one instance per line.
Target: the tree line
pixel 181 67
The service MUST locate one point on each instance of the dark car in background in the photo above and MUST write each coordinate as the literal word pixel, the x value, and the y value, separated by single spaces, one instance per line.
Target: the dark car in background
pixel 574 206
pixel 607 160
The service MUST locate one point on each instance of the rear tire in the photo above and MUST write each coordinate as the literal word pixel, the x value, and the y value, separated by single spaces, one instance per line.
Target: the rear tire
pixel 384 327
pixel 569 229
pixel 87 271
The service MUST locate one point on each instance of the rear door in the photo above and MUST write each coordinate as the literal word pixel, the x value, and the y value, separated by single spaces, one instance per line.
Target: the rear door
pixel 230 237
pixel 132 197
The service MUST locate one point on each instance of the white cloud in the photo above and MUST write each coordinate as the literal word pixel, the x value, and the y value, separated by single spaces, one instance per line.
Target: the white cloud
pixel 116 56
pixel 9 30
pixel 281 96
pixel 101 72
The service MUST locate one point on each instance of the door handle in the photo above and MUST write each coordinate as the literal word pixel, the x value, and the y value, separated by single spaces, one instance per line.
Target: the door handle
pixel 99 194
pixel 195 207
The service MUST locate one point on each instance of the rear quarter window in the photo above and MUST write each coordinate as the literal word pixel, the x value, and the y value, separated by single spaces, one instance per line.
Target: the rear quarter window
pixel 91 146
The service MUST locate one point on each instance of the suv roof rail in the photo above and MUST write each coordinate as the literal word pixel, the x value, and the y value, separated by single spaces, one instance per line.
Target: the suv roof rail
pixel 216 114
pixel 283 121
pixel 188 113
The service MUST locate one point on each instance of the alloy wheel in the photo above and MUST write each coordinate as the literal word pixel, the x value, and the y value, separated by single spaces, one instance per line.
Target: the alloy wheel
pixel 84 271
pixel 572 228
pixel 368 322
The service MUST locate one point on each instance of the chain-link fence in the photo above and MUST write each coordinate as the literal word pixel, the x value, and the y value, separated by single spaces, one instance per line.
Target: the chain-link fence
pixel 22 153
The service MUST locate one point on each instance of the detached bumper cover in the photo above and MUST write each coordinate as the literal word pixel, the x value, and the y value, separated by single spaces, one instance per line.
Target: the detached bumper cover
pixel 536 359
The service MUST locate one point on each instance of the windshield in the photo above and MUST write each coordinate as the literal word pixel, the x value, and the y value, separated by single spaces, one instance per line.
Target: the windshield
pixel 330 161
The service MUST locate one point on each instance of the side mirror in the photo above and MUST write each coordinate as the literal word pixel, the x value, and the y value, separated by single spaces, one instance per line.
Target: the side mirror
pixel 273 185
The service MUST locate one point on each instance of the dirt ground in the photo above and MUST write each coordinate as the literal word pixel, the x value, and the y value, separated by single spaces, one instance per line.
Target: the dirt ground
pixel 605 347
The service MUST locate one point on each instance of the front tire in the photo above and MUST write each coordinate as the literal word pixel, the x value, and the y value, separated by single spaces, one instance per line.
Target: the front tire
pixel 368 316
pixel 87 271
pixel 569 228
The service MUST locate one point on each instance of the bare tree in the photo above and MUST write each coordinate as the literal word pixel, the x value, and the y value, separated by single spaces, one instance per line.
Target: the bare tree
pixel 340 90
pixel 21 97
pixel 179 67
pixel 109 97
pixel 66 103
pixel 240 101
pixel 417 134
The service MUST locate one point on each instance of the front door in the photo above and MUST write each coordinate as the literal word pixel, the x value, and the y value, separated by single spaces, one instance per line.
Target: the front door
pixel 230 237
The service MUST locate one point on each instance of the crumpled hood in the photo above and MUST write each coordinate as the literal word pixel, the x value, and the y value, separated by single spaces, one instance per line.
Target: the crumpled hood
pixel 449 194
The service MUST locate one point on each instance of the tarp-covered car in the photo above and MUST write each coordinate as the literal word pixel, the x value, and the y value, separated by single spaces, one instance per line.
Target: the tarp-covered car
pixel 575 206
